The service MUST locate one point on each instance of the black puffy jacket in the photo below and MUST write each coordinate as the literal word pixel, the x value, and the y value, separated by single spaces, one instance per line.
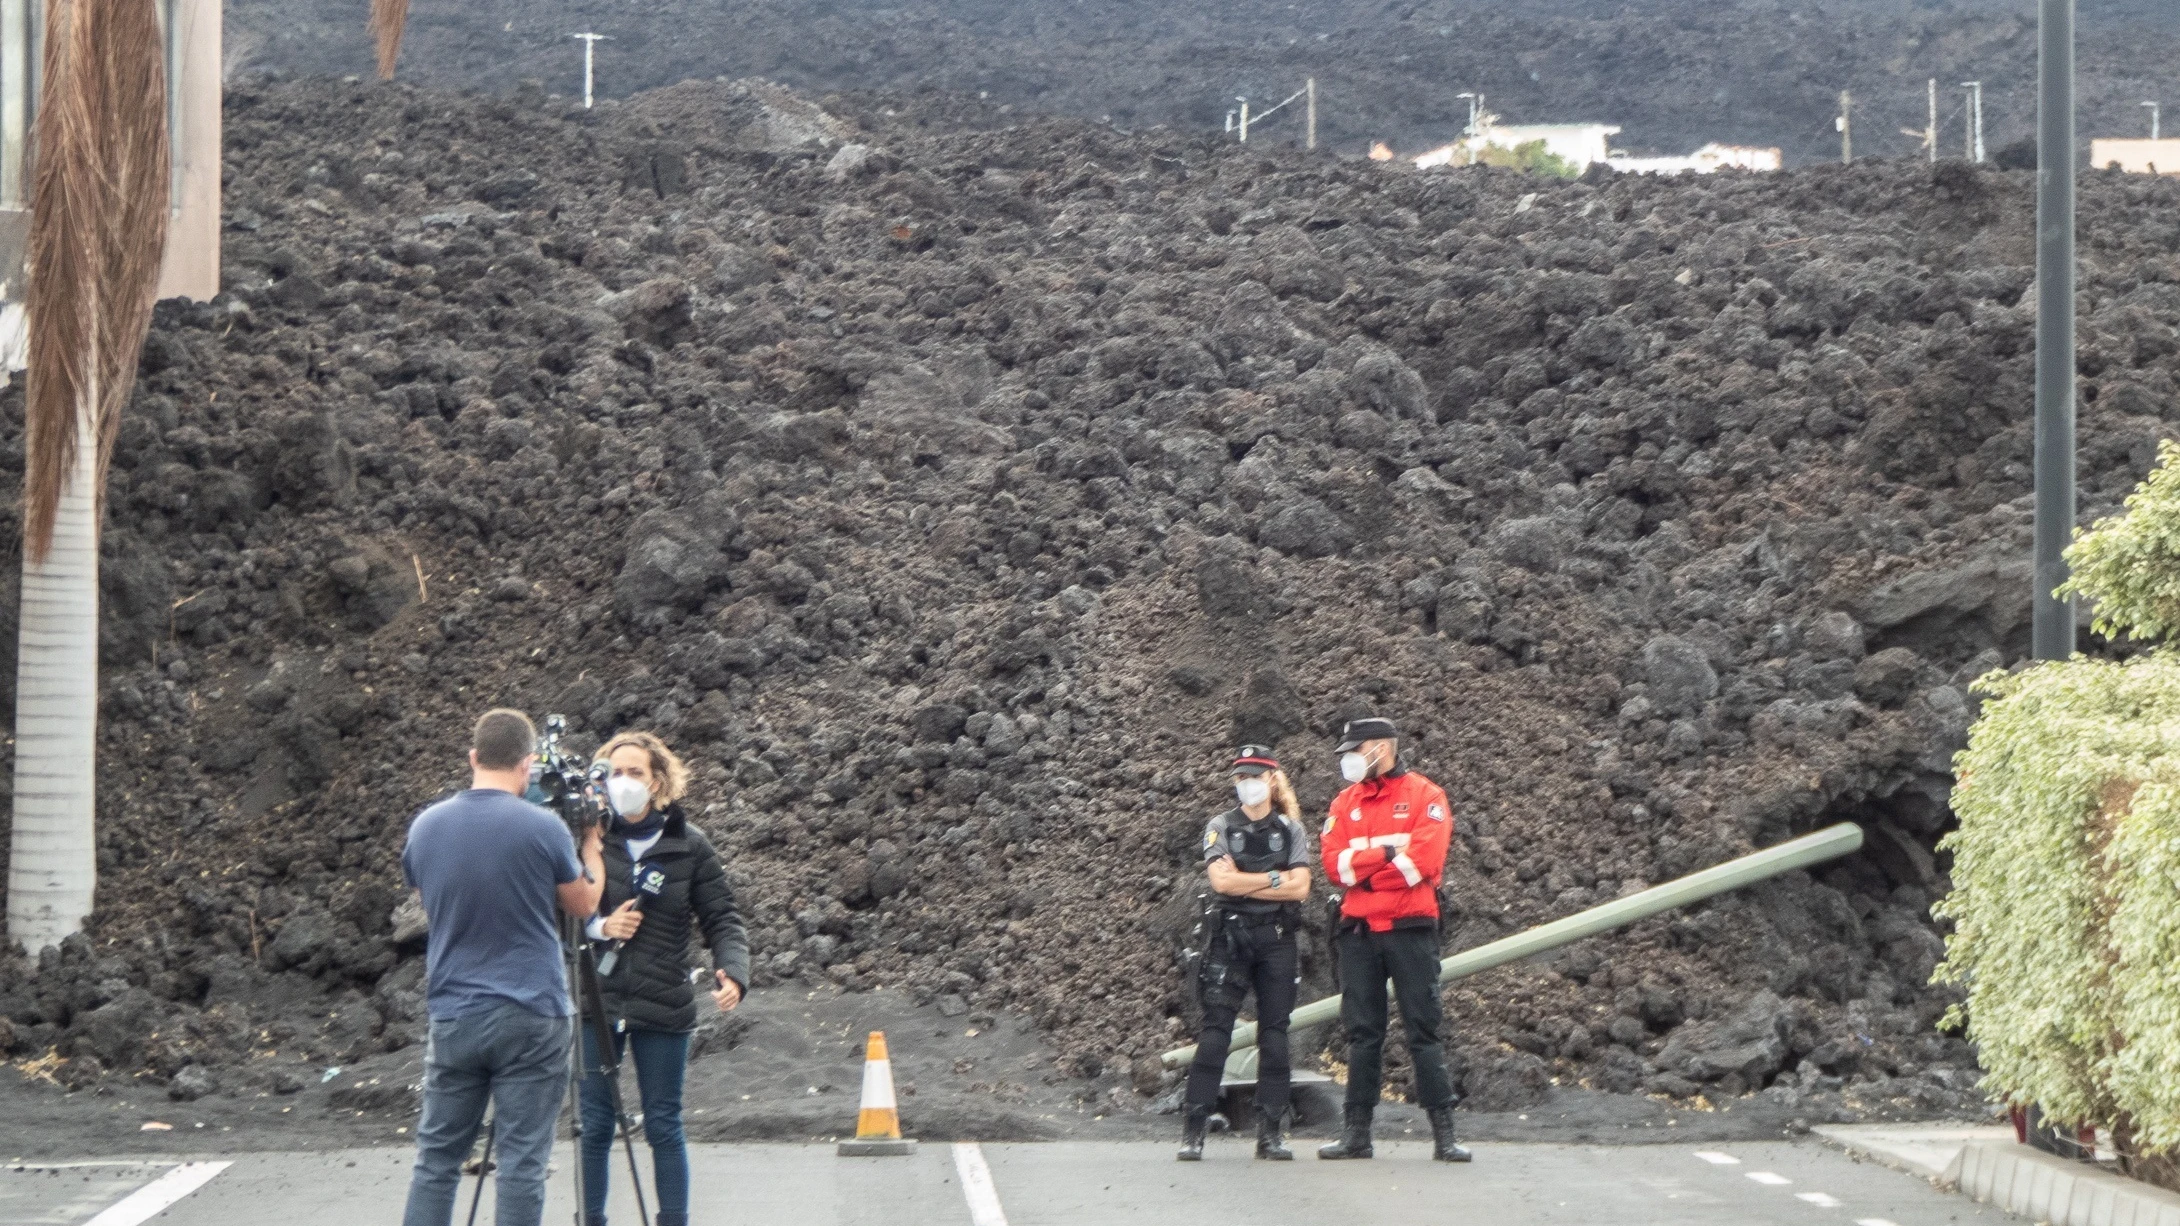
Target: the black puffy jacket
pixel 650 986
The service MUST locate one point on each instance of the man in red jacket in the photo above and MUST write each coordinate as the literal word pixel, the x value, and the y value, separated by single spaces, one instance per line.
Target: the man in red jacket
pixel 1385 845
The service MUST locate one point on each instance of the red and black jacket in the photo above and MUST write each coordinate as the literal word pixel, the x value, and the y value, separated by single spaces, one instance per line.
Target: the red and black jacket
pixel 1385 844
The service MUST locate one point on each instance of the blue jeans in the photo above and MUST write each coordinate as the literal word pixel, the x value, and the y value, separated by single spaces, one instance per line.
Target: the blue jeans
pixel 660 1057
pixel 514 1059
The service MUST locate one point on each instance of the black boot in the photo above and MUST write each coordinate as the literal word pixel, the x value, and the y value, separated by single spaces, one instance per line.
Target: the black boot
pixel 1442 1147
pixel 1354 1139
pixel 1269 1144
pixel 1193 1129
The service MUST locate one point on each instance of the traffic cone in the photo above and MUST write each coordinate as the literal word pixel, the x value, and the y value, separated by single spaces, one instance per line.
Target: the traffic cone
pixel 878 1124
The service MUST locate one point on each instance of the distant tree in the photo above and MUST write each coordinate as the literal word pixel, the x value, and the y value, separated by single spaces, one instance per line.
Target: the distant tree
pixel 1531 156
pixel 388 19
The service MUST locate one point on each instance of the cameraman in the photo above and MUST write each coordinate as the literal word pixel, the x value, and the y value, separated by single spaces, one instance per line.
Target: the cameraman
pixel 663 880
pixel 490 868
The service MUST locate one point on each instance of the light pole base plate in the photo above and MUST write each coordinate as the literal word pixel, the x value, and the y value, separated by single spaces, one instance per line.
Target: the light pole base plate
pixel 877 1148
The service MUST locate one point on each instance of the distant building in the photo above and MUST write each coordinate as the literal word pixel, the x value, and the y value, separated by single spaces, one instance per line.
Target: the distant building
pixel 1711 157
pixel 1578 144
pixel 2141 157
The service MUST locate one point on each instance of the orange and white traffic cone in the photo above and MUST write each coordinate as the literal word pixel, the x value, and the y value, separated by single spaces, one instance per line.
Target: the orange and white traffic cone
pixel 878 1124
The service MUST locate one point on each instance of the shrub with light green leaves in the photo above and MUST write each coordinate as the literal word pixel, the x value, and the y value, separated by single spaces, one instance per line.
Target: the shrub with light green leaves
pixel 2066 866
pixel 1531 156
pixel 2130 564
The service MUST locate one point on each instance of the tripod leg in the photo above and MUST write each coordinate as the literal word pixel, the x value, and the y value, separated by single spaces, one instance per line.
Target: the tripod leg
pixel 575 1120
pixel 571 935
pixel 484 1168
pixel 592 1003
pixel 628 1143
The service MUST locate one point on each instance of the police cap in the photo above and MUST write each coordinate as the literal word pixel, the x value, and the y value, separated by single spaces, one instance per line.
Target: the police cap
pixel 1355 731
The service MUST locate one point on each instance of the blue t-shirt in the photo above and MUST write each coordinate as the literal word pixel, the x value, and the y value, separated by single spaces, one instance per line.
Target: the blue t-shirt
pixel 487 862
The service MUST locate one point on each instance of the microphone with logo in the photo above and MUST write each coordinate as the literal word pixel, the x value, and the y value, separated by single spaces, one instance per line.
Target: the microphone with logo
pixel 650 882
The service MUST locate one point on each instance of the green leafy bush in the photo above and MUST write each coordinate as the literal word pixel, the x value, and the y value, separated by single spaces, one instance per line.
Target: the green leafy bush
pixel 2130 564
pixel 2067 773
pixel 2066 866
pixel 1531 156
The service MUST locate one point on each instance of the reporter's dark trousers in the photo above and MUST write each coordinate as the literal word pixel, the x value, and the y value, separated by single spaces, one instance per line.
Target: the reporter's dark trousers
pixel 661 1058
pixel 517 1061
pixel 1408 957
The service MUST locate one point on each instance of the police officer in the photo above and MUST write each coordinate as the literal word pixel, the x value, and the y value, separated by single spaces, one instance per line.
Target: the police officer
pixel 1256 856
pixel 1385 844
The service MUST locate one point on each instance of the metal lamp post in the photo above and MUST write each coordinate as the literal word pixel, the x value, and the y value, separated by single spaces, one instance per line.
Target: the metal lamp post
pixel 2052 631
pixel 1974 119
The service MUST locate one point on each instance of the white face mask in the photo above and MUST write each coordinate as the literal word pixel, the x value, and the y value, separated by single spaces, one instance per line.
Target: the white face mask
pixel 1354 767
pixel 1252 792
pixel 630 797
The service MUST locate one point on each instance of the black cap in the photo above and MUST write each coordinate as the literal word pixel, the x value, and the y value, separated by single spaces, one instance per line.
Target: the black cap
pixel 1254 760
pixel 1355 731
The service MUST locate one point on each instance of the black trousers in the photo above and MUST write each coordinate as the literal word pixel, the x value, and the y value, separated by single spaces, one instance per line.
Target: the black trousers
pixel 1408 957
pixel 1250 955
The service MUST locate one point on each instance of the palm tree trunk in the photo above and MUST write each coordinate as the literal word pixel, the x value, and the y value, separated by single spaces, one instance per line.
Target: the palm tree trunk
pixel 53 861
pixel 98 226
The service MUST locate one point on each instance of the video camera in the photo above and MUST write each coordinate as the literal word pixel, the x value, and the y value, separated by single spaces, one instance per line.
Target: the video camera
pixel 563 783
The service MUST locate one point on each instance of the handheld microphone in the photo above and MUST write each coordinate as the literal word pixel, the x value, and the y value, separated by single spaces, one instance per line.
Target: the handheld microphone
pixel 650 883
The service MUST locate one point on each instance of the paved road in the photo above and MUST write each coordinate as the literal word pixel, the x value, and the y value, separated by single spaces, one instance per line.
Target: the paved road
pixel 1051 1184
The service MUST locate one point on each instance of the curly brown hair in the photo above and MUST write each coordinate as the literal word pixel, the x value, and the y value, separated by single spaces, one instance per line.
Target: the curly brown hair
pixel 669 775
pixel 1284 797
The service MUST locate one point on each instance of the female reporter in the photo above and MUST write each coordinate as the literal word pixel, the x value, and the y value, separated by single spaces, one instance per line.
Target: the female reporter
pixel 662 880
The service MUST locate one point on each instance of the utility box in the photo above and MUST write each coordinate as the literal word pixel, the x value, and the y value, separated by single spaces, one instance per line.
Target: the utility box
pixel 193 46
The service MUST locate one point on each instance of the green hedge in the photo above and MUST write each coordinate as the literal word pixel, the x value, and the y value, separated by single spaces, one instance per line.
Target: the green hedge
pixel 2066 865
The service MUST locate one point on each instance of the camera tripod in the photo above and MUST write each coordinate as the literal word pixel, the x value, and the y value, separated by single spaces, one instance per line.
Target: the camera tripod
pixel 590 1010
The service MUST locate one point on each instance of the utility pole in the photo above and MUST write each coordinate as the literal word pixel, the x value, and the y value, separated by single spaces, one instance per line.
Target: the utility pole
pixel 2052 632
pixel 1928 134
pixel 590 48
pixel 1975 120
pixel 2153 119
pixel 1310 141
pixel 1845 124
pixel 1475 117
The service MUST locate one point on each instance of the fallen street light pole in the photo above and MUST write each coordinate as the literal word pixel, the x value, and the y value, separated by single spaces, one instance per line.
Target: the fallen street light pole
pixel 1830 843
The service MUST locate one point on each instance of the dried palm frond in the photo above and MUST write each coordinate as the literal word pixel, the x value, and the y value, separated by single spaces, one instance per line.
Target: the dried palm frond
pixel 388 19
pixel 98 229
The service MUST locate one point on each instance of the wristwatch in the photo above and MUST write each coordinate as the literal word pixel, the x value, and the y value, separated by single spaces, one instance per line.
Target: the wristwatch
pixel 1274 876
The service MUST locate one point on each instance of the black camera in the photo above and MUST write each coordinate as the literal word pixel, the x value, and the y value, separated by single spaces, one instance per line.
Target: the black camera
pixel 565 784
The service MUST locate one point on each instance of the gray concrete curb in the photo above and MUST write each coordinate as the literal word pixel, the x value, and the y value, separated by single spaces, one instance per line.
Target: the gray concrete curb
pixel 1930 1151
pixel 2044 1188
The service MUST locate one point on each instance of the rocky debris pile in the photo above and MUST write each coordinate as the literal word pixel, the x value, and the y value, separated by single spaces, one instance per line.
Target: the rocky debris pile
pixel 956 499
pixel 1672 76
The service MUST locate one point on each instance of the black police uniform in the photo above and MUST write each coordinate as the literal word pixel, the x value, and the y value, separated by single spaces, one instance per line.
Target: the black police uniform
pixel 1251 945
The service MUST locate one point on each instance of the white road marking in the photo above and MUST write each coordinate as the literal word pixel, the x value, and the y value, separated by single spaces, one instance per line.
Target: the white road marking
pixel 976 1185
pixel 1715 1158
pixel 77 1166
pixel 1770 1180
pixel 1875 1221
pixel 154 1197
pixel 1819 1199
